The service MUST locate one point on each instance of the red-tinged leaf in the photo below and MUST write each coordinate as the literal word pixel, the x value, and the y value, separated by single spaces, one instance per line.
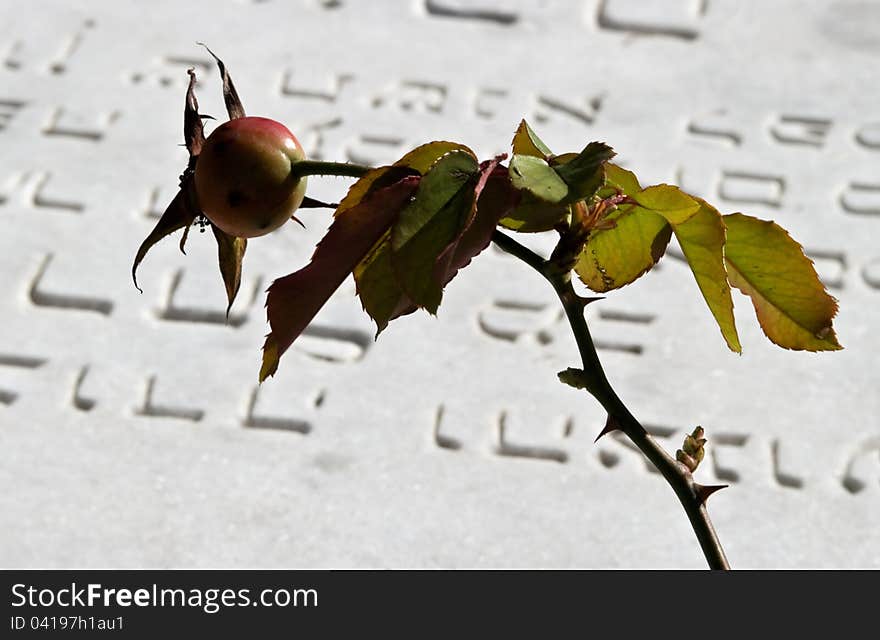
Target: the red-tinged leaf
pixel 230 96
pixel 494 198
pixel 295 299
pixel 180 214
pixel 230 253
pixel 792 305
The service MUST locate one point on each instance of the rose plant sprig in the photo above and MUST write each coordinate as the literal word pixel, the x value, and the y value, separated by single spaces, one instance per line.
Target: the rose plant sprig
pixel 405 230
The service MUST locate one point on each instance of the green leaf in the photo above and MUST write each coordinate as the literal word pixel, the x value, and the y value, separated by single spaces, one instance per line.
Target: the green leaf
pixel 493 198
pixel 429 224
pixel 230 253
pixel 621 179
pixel 702 238
pixel 376 283
pixel 792 305
pixel 532 215
pixel 585 173
pixel 294 300
pixel 537 177
pixel 423 157
pixel 615 257
pixel 668 201
pixel 527 143
pixel 180 214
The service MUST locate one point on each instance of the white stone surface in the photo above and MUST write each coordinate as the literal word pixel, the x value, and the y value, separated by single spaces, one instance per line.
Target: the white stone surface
pixel 132 433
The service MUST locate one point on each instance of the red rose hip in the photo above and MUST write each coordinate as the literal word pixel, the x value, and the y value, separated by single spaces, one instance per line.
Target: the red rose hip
pixel 243 178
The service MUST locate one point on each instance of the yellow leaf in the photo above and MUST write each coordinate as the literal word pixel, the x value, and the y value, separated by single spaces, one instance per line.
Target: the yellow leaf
pixel 702 239
pixel 792 305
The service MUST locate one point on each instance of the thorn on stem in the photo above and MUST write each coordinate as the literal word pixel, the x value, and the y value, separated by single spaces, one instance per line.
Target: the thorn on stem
pixel 704 491
pixel 610 425
pixel 584 300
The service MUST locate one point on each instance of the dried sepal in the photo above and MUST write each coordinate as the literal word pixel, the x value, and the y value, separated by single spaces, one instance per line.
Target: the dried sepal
pixel 311 203
pixel 230 96
pixel 230 253
pixel 193 130
pixel 180 214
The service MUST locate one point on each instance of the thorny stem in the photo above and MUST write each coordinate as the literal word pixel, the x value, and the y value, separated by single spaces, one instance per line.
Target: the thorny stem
pixel 676 474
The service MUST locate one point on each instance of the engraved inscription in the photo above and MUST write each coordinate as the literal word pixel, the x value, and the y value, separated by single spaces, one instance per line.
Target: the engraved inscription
pixel 751 188
pixel 254 420
pixel 484 103
pixel 79 401
pixel 799 130
pixel 720 442
pixel 493 12
pixel 150 407
pixel 333 344
pixel 375 149
pixel 414 95
pixel 172 310
pixel 830 265
pixel 313 137
pixel 547 109
pixel 861 198
pixel 441 440
pixel 59 125
pixel 717 128
pixel 673 18
pixel 41 200
pixel 868 136
pixel 505 447
pixel 170 71
pixel 8 109
pixel 69 46
pixel 783 478
pixel 8 397
pixel 12 56
pixel 871 273
pixel 39 297
pixel 862 464
pixel 329 93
